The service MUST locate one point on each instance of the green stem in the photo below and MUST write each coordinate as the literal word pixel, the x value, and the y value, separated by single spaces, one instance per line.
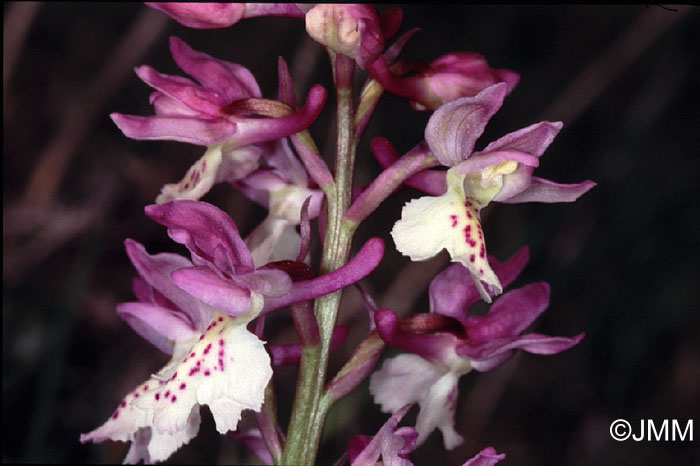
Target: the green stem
pixel 310 406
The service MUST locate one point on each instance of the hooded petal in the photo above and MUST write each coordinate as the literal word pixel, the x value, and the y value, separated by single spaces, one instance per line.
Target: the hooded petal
pixel 533 140
pixel 451 221
pixel 454 128
pixel 231 80
pixel 207 231
pixel 205 100
pixel 510 314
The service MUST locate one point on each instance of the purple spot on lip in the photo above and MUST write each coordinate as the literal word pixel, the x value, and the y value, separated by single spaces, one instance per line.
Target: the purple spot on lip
pixel 454 220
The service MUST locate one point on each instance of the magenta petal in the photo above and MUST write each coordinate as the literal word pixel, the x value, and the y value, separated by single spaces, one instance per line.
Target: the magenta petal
pixel 231 80
pixel 454 128
pixel 510 314
pixel 199 131
pixel 486 457
pixel 202 15
pixel 220 294
pixel 364 262
pixel 453 291
pixel 155 271
pixel 532 140
pixel 254 130
pixel 541 190
pixel 207 231
pixel 491 354
pixel 199 98
pixel 158 325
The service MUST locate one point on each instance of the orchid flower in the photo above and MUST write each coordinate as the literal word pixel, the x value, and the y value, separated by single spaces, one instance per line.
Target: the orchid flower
pixel 447 78
pixel 221 15
pixel 206 114
pixel 448 343
pixel 501 172
pixel 197 311
pixel 282 187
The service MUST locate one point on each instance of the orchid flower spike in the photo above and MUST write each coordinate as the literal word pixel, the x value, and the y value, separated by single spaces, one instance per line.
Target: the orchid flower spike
pixel 448 343
pixel 501 172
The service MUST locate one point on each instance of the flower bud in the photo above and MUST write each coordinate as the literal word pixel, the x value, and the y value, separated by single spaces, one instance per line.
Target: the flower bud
pixel 351 30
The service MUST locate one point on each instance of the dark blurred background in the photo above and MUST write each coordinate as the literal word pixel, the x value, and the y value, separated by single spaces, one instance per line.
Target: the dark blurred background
pixel 622 261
